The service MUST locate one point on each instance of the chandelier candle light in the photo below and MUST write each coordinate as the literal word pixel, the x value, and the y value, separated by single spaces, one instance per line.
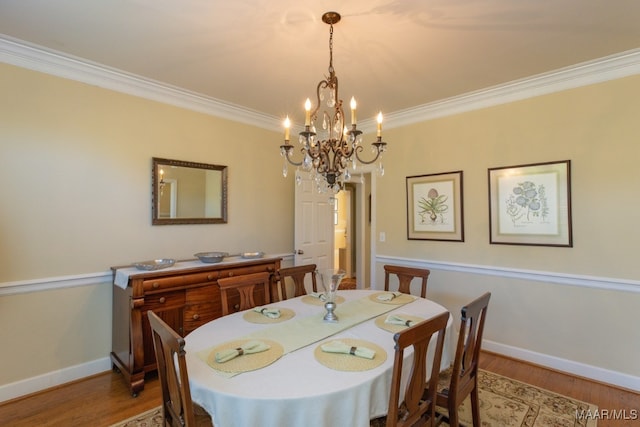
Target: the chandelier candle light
pixel 329 156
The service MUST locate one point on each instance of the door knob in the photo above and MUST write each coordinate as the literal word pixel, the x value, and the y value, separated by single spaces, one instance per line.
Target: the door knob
pixel 300 252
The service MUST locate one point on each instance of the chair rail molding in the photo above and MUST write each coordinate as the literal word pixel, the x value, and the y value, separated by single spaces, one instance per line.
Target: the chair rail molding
pixel 606 283
pixel 48 283
pixel 72 281
pixel 596 373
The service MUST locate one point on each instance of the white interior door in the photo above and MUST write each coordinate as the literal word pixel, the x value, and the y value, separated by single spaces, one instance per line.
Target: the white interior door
pixel 313 226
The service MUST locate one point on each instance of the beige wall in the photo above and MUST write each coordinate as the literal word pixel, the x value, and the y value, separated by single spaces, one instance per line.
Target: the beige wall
pixel 75 168
pixel 75 163
pixel 597 128
pixel 54 330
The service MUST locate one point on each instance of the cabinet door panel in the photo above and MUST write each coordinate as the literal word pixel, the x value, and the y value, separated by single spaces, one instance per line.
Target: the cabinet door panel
pixel 234 299
pixel 170 308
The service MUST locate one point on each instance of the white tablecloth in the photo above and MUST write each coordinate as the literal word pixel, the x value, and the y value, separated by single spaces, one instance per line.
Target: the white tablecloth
pixel 297 390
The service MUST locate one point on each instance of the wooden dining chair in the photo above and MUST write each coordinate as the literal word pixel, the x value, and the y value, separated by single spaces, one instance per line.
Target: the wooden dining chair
pixel 461 379
pixel 405 276
pixel 177 408
pixel 297 275
pixel 416 407
pixel 245 285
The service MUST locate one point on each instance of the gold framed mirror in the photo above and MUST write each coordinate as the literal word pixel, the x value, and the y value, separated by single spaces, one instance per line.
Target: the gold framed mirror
pixel 188 192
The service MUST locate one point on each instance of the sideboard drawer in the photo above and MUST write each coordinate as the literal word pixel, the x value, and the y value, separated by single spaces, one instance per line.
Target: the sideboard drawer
pixel 202 306
pixel 166 299
pixel 209 276
pixel 162 283
pixel 240 271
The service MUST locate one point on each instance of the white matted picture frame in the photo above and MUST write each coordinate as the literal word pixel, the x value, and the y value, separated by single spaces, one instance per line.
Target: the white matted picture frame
pixel 434 207
pixel 531 204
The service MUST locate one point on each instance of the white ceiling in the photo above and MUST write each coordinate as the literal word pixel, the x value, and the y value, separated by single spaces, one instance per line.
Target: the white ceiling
pixel 269 55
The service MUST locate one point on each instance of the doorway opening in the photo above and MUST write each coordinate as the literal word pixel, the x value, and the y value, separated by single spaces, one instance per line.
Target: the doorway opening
pixel 352 230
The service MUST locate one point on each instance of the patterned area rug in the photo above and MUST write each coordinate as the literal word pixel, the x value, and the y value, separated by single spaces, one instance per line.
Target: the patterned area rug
pixel 150 418
pixel 508 403
pixel 503 402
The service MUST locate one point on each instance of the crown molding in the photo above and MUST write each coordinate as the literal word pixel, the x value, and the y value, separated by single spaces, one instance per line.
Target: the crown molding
pixel 612 67
pixel 33 57
pixel 21 54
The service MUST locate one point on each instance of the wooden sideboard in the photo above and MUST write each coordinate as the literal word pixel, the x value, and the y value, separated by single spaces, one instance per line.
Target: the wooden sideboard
pixel 185 296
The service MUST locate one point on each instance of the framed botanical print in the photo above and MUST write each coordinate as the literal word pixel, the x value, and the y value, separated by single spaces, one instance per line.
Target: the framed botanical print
pixel 434 207
pixel 531 204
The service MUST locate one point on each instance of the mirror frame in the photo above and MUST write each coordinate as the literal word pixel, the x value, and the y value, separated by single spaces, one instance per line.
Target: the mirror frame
pixel 155 220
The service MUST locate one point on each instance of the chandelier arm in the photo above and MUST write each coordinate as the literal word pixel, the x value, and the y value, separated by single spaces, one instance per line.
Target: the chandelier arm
pixel 333 160
pixel 380 146
pixel 338 116
pixel 313 152
pixel 344 149
pixel 325 162
pixel 339 163
pixel 291 161
pixel 321 85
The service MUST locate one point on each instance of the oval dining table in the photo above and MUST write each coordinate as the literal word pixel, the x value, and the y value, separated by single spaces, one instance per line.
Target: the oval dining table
pixel 298 388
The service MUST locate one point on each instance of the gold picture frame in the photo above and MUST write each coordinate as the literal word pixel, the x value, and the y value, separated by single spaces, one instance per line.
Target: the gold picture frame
pixel 531 204
pixel 434 207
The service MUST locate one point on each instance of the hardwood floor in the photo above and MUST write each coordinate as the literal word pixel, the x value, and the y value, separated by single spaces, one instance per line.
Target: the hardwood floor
pixel 96 401
pixel 624 402
pixel 104 399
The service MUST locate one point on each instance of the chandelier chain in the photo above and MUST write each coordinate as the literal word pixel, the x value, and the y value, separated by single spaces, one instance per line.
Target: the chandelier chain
pixel 331 48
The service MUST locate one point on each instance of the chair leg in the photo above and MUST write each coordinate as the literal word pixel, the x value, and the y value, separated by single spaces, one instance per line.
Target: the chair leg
pixel 475 407
pixel 453 413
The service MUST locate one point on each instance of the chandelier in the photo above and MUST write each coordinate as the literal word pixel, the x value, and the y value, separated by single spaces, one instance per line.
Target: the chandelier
pixel 334 151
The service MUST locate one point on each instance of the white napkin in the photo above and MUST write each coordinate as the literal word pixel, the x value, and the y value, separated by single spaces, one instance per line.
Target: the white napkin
pixel 388 296
pixel 398 320
pixel 319 295
pixel 272 313
pixel 247 348
pixel 340 347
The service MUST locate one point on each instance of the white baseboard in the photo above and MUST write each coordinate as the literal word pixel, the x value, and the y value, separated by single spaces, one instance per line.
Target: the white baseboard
pixel 62 376
pixel 53 379
pixel 576 368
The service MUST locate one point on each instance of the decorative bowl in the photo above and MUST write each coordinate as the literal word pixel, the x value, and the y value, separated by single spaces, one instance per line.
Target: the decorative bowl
pixel 252 255
pixel 211 257
pixel 155 264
